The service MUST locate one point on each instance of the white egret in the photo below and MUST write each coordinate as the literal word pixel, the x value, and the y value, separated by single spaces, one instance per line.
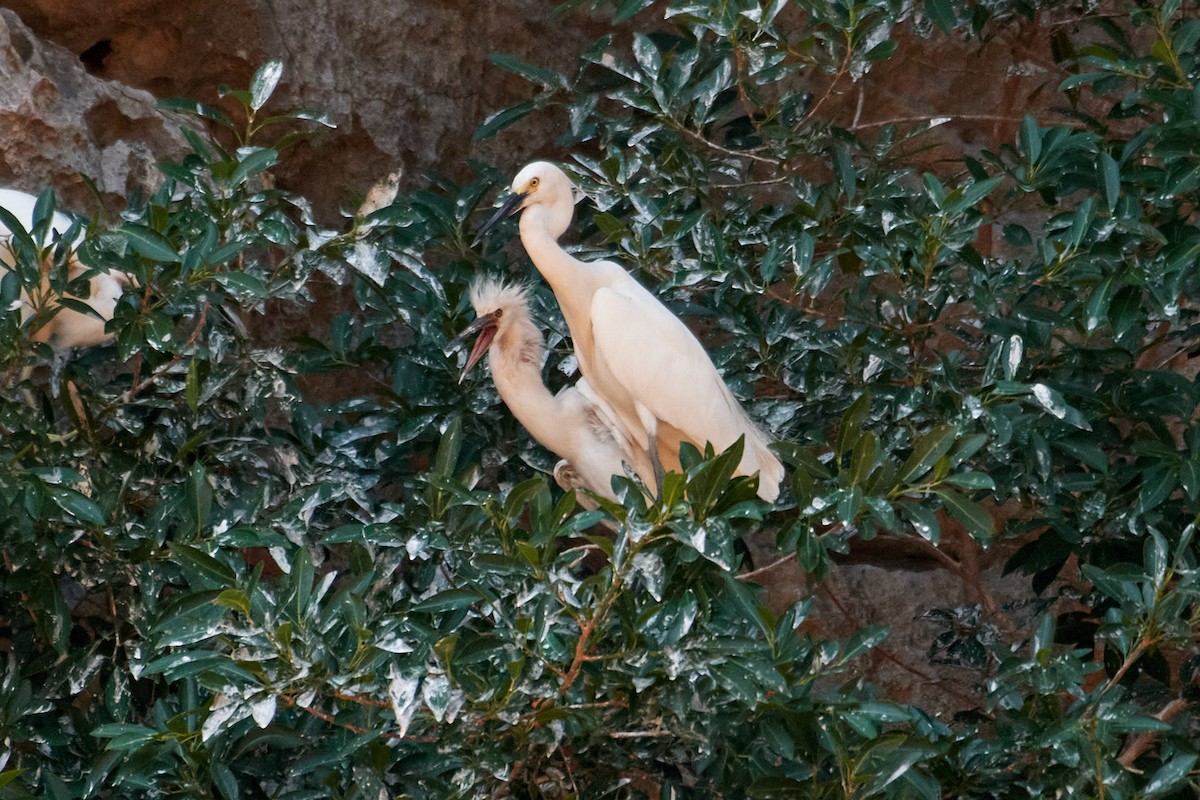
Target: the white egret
pixel 568 423
pixel 637 355
pixel 68 327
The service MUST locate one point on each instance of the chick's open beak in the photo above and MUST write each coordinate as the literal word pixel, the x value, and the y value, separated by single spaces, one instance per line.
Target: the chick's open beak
pixel 486 327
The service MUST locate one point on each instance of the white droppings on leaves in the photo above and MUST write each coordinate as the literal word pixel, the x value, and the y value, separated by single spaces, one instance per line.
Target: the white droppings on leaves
pixel 874 364
pixel 1016 350
pixel 1046 399
pixel 263 710
pixel 402 691
pixel 281 558
pixel 366 261
pixel 393 643
pixel 435 691
pixel 650 569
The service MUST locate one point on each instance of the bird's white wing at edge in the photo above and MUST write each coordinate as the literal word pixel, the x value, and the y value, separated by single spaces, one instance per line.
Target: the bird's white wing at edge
pixel 660 363
pixel 21 205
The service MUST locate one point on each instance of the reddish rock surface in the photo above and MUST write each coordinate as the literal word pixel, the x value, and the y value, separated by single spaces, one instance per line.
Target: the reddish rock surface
pixel 406 82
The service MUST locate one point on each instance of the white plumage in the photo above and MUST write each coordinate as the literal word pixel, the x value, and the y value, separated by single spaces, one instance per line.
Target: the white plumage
pixel 637 356
pixel 568 423
pixel 67 328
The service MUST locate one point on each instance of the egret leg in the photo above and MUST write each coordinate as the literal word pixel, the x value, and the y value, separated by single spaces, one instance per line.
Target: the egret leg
pixel 650 425
pixel 659 472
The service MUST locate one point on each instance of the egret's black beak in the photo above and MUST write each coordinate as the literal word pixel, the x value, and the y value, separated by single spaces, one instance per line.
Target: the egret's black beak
pixel 485 326
pixel 511 205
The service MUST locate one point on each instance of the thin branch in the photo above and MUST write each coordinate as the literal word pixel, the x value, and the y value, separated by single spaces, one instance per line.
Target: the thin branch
pixel 165 368
pixel 754 573
pixel 930 117
pixel 361 700
pixel 1143 741
pixel 641 734
pixel 725 150
pixel 1130 660
pixel 744 184
pixel 325 716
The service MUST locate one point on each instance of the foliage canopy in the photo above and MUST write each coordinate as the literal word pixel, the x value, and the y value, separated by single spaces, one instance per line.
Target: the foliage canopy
pixel 217 582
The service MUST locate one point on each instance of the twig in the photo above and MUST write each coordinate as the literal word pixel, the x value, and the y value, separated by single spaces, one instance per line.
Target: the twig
pixel 754 573
pixel 641 734
pixel 158 373
pixel 1143 741
pixel 585 632
pixel 1129 662
pixel 329 718
pixel 842 69
pixel 745 184
pixel 930 117
pixel 362 701
pixel 725 150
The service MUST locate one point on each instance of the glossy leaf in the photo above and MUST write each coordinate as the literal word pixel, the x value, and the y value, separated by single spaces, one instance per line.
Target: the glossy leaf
pixel 927 450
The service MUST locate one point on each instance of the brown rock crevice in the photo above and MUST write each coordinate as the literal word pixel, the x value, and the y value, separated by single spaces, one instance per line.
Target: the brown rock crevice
pixel 58 123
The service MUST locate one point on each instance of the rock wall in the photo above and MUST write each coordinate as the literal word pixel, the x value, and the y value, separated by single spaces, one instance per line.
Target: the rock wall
pixel 58 123
pixel 406 82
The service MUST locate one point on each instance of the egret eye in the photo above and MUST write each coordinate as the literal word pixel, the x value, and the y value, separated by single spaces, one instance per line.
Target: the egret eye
pixel 499 313
pixel 533 182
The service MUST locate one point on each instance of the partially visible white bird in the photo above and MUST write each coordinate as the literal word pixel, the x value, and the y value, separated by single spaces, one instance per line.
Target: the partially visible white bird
pixel 637 355
pixel 568 423
pixel 66 328
pixel 381 194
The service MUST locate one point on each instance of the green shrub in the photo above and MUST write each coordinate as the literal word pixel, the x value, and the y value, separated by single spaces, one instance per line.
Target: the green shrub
pixel 220 582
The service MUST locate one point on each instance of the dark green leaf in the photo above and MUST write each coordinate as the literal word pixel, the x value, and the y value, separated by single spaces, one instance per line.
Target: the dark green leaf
pixel 941 13
pixel 498 121
pixel 243 283
pixel 882 51
pixel 978 522
pixel 1111 175
pixel 254 162
pixel 1170 775
pixel 449 600
pixel 927 450
pixel 149 243
pixel 202 565
pixel 863 640
pixel 539 75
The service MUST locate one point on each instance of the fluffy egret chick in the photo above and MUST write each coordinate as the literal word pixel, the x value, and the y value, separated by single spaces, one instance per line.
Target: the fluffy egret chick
pixel 568 423
pixel 67 328
pixel 638 356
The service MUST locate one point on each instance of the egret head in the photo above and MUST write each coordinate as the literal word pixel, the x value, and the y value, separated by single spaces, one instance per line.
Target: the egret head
pixel 543 185
pixel 498 306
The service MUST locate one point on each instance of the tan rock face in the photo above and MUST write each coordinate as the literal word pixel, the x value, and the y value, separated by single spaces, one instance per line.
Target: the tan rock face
pixel 58 122
pixel 165 48
pixel 406 82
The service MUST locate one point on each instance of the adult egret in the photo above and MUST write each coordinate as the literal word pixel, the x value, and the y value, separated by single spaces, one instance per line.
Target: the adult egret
pixel 568 423
pixel 637 355
pixel 68 327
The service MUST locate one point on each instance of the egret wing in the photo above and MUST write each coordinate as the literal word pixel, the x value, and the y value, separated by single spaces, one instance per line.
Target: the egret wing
pixel 661 365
